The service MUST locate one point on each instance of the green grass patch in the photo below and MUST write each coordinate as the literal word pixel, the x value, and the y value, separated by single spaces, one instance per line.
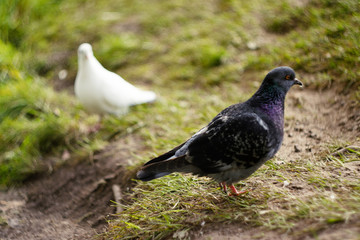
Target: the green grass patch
pixel 321 39
pixel 35 122
pixel 162 207
pixel 177 203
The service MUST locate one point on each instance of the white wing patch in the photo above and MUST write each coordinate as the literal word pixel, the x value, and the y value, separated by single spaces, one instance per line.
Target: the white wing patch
pixel 201 131
pixel 224 118
pixel 262 123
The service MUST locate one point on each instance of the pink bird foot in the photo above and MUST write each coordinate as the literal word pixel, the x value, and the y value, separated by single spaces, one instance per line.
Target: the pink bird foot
pixel 234 191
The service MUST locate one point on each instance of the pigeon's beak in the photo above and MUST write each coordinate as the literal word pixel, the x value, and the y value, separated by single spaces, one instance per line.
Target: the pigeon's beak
pixel 84 55
pixel 298 82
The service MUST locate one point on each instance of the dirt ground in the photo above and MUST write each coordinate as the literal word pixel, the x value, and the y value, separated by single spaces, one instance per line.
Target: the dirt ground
pixel 75 201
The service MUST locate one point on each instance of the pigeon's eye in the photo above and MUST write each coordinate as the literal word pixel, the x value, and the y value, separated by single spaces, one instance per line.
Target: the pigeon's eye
pixel 287 77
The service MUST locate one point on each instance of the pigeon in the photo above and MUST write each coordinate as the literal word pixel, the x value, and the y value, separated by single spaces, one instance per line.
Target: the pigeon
pixel 102 91
pixel 236 142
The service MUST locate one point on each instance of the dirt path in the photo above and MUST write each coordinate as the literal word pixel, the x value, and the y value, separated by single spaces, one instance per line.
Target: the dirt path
pixel 74 201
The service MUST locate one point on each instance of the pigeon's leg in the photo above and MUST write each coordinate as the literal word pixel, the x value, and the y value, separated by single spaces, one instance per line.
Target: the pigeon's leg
pixel 235 192
pixel 223 186
pixel 96 127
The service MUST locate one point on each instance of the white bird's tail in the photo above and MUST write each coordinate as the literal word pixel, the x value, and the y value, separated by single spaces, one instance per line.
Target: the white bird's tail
pixel 143 97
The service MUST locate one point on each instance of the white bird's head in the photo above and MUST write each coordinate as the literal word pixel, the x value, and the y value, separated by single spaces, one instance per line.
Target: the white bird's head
pixel 85 51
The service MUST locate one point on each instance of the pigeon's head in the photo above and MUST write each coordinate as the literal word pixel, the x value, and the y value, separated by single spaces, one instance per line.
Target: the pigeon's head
pixel 85 51
pixel 282 77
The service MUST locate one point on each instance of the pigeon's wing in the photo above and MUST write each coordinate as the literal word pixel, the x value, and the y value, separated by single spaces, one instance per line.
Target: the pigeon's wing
pixel 115 79
pixel 172 161
pixel 179 151
pixel 116 91
pixel 120 93
pixel 243 139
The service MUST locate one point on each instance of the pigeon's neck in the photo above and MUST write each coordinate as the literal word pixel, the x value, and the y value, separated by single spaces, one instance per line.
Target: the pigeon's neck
pixel 270 101
pixel 89 65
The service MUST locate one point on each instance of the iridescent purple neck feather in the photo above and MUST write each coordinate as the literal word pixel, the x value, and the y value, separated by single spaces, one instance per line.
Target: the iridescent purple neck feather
pixel 270 101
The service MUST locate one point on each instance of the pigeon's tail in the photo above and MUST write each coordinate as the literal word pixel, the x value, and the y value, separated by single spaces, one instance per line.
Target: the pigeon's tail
pixel 160 169
pixel 144 97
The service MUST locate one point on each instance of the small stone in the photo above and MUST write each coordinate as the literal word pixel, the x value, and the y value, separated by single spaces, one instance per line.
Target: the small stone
pixel 332 196
pixel 286 183
pixel 65 155
pixel 252 45
pixel 296 149
pixel 181 234
pixel 62 74
pixel 13 222
pixel 298 129
pixel 279 162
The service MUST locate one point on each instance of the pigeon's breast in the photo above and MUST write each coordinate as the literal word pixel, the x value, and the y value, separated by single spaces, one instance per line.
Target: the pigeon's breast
pixel 235 173
pixel 88 93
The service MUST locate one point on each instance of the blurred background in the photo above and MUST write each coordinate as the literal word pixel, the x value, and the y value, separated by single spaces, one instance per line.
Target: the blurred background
pixel 198 56
pixel 186 51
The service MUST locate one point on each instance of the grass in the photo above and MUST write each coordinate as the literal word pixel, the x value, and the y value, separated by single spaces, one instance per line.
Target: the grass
pixel 176 203
pixel 198 61
pixel 313 41
pixel 37 124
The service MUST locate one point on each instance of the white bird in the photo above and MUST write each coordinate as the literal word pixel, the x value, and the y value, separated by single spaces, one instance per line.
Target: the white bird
pixel 102 91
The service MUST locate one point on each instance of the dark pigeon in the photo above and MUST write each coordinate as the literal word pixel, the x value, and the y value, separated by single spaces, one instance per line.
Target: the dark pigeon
pixel 237 141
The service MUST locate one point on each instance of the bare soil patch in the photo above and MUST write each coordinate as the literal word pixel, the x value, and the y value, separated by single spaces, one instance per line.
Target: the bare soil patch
pixel 75 201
